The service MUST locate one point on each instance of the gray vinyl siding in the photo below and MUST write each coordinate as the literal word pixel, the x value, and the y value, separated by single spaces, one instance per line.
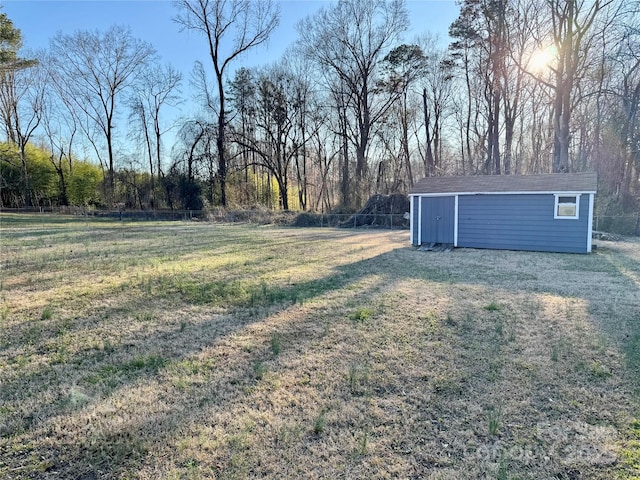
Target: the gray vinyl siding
pixel 520 222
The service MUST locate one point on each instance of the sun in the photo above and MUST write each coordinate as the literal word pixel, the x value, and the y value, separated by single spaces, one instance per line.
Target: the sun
pixel 541 60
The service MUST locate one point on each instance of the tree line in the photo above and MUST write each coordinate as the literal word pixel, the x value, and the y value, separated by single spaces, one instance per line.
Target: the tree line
pixel 351 109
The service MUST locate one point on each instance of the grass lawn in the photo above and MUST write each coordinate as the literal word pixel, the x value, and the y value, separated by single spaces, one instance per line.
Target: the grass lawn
pixel 179 350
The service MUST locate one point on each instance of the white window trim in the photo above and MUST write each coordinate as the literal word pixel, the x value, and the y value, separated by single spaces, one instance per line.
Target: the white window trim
pixel 556 203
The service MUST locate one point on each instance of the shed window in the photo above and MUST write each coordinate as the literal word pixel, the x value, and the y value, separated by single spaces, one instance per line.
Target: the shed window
pixel 566 206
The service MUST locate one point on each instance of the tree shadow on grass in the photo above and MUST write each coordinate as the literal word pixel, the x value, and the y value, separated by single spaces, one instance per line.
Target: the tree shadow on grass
pixel 47 395
pixel 608 280
pixel 620 315
pixel 184 285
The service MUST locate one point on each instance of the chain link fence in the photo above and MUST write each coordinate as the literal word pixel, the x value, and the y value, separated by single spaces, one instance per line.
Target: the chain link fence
pixel 356 220
pixel 620 224
pixel 257 216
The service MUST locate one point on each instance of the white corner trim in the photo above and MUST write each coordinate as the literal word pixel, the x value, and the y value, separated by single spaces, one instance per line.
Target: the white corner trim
pixel 455 221
pixel 590 227
pixel 419 220
pixel 411 221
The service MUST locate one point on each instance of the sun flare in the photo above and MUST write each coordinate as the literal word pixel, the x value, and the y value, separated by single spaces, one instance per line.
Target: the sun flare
pixel 542 59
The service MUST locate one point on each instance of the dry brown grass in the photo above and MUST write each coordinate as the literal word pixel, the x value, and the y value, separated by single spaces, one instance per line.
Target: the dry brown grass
pixel 180 350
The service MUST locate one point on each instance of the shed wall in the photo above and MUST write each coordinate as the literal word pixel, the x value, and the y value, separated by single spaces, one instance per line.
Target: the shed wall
pixel 520 222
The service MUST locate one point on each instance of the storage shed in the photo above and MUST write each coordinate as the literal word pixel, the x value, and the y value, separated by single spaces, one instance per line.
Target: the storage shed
pixel 548 213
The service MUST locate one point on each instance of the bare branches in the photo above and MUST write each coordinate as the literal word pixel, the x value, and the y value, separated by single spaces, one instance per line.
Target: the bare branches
pixel 92 69
pixel 156 88
pixel 351 39
pixel 249 22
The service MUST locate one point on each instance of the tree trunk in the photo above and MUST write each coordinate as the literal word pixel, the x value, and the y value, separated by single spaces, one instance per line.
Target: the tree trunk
pixel 430 167
pixel 496 131
pixel 344 190
pixel 222 164
pixel 284 193
pixel 147 139
pixel 508 144
pixel 112 182
pixel 561 116
pixel 25 177
pixel 405 140
pixel 64 198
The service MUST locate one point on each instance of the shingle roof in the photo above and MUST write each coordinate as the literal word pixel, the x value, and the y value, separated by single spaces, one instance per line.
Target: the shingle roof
pixel 550 182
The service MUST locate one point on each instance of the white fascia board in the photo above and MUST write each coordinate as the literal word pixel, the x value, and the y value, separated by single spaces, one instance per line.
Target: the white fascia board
pixel 453 194
pixel 436 194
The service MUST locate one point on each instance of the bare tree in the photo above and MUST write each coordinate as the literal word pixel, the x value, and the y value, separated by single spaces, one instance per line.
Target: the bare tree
pixel 574 31
pixel 21 107
pixel 305 100
pixel 325 150
pixel 250 23
pixel 155 89
pixel 351 38
pixel 403 66
pixel 278 140
pixel 482 26
pixel 621 164
pixel 242 98
pixel 60 127
pixel 341 99
pixel 92 69
pixel 436 102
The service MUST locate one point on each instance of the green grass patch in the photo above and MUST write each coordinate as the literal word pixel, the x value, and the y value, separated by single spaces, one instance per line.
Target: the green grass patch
pixel 259 370
pixel 358 378
pixel 116 373
pixel 361 314
pixel 320 423
pixel 492 307
pixel 47 313
pixel 494 420
pixel 276 343
pixel 630 454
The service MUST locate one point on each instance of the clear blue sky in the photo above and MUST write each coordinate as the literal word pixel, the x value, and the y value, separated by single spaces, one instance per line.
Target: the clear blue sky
pixel 151 20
